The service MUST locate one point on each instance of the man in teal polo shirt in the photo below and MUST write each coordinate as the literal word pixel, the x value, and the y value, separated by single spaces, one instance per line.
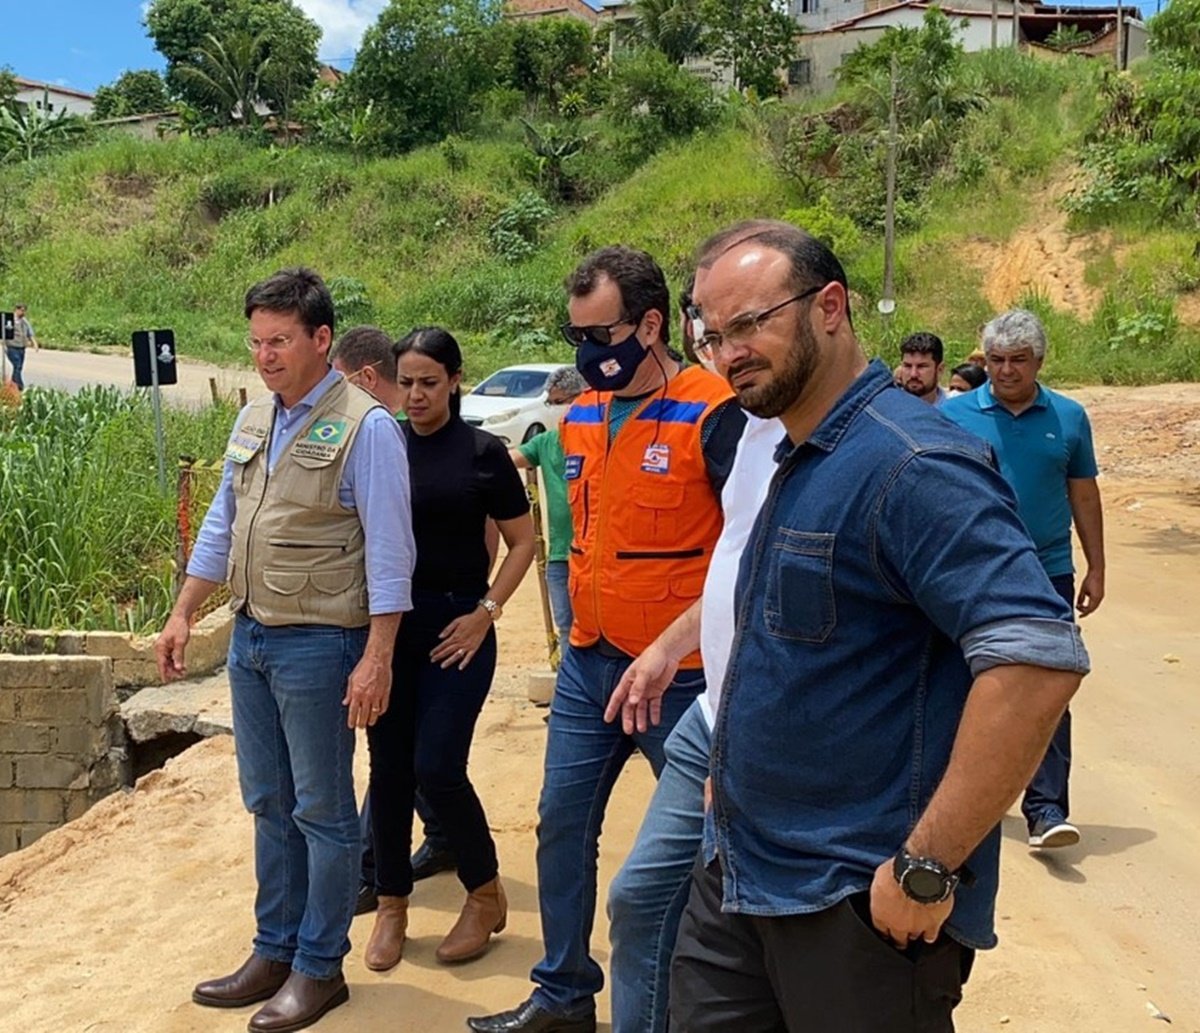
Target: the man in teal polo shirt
pixel 562 388
pixel 1043 442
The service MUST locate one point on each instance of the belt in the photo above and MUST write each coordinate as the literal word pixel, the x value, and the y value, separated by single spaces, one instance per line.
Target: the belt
pixel 610 652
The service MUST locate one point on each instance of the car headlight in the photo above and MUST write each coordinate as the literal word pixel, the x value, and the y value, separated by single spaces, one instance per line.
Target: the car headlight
pixel 501 417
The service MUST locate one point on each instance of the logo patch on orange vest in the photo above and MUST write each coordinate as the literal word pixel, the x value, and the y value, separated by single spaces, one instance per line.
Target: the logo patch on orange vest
pixel 656 459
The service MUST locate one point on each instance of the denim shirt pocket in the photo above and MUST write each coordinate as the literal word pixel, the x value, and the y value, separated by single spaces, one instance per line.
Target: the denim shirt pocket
pixel 798 603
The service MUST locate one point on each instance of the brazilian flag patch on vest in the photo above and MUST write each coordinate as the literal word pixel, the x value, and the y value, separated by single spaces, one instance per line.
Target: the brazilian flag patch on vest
pixel 327 432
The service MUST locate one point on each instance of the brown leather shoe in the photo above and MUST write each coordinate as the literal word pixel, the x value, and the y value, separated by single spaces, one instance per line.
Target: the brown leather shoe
pixel 484 913
pixel 257 979
pixel 300 1002
pixel 385 948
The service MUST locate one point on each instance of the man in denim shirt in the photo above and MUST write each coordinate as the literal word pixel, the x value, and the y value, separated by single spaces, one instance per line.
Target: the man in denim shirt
pixel 899 665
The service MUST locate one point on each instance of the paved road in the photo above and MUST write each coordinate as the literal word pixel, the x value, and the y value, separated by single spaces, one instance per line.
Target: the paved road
pixel 70 371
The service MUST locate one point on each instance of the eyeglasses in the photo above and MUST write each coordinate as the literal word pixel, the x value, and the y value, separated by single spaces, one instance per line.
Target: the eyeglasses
pixel 280 342
pixel 576 335
pixel 741 328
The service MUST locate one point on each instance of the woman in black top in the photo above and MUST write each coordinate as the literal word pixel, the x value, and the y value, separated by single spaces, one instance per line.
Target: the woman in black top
pixel 445 650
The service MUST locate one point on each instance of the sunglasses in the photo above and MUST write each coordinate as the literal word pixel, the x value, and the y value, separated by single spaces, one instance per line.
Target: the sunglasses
pixel 577 335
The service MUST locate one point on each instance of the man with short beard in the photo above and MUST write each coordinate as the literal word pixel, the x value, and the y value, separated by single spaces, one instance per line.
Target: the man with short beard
pixel 899 663
pixel 921 365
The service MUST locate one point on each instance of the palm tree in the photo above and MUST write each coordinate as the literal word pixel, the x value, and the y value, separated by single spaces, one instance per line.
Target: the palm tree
pixel 231 72
pixel 673 26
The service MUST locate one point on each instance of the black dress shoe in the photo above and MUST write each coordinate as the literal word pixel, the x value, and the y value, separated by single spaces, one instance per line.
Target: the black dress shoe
pixel 257 979
pixel 431 859
pixel 367 900
pixel 300 1002
pixel 530 1017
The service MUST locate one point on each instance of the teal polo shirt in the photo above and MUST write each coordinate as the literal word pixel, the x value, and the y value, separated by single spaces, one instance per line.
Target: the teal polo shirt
pixel 1049 444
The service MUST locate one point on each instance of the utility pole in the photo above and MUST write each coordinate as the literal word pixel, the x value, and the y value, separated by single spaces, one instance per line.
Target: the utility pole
pixel 887 304
pixel 1120 37
pixel 1016 25
pixel 995 21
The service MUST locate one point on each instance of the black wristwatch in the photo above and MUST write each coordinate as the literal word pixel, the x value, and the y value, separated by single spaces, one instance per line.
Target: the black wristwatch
pixel 922 878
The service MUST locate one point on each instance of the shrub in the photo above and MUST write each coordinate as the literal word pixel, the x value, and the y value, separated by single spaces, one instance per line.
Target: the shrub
pixel 351 301
pixel 514 236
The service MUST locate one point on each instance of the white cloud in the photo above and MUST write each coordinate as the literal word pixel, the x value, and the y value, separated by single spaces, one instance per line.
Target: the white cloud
pixel 343 22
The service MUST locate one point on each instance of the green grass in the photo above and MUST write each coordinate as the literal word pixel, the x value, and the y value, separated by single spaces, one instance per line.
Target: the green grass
pixel 87 540
pixel 126 234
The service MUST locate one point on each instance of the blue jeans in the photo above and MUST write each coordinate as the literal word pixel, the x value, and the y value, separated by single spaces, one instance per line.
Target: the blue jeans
pixel 16 358
pixel 560 599
pixel 295 759
pixel 1047 797
pixel 646 899
pixel 584 756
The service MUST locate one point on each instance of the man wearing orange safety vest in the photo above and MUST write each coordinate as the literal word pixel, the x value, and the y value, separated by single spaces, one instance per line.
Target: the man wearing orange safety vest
pixel 647 452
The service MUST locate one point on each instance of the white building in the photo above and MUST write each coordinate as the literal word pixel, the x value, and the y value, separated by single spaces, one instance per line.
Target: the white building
pixel 50 99
pixel 824 43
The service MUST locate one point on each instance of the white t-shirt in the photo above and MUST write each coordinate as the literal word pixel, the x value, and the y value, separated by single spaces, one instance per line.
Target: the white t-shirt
pixel 741 498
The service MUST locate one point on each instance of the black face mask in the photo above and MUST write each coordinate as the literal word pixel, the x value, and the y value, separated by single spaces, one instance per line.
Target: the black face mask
pixel 610 367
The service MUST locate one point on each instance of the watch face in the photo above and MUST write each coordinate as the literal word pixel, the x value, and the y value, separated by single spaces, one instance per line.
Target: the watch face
pixel 922 884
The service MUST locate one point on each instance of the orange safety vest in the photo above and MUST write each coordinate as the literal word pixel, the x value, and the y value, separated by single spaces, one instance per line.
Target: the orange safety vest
pixel 643 510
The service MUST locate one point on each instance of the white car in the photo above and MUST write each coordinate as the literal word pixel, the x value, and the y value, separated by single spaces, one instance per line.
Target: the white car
pixel 511 403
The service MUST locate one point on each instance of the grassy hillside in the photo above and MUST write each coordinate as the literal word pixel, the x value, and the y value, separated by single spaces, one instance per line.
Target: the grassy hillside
pixel 127 234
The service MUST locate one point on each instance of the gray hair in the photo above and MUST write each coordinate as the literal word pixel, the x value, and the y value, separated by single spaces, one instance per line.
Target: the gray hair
pixel 566 379
pixel 1013 330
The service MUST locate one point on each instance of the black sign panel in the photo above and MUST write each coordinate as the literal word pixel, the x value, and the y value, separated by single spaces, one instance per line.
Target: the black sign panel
pixel 164 355
pixel 8 326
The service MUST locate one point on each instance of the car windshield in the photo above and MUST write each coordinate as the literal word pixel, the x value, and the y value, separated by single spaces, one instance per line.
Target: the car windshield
pixel 513 383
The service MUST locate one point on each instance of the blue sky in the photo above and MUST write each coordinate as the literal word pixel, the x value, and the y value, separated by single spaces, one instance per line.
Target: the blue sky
pixel 86 43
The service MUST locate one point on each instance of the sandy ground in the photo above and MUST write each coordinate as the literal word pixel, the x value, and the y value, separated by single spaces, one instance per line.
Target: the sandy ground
pixel 107 923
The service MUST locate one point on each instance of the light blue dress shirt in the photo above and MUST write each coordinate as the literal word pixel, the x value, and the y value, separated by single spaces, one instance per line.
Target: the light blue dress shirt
pixel 374 483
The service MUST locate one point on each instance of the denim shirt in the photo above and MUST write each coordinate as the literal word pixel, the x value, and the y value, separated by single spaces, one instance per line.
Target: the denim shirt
pixel 886 568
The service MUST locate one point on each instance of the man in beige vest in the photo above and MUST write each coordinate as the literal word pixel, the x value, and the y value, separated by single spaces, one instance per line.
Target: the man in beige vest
pixel 312 529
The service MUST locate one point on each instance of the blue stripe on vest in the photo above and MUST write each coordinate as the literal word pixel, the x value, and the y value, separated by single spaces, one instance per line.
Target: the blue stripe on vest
pixel 669 410
pixel 585 414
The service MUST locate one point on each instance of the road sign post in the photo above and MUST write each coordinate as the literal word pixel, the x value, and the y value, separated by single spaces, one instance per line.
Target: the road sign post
pixel 154 367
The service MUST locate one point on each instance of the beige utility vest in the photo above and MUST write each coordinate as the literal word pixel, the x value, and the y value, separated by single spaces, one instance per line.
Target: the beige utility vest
pixel 297 554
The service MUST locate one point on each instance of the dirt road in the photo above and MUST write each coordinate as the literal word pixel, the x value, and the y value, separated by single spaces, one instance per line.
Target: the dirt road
pixel 106 924
pixel 69 371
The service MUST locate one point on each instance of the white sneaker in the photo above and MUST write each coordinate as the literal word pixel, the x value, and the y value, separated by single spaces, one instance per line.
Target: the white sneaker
pixel 1048 836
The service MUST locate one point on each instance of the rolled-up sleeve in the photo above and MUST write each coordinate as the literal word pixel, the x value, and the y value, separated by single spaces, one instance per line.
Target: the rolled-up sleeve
pixel 1043 643
pixel 210 557
pixel 377 483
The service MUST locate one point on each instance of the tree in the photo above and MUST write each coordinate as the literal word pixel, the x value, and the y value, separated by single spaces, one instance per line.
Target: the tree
pixel 544 58
pixel 287 47
pixel 227 76
pixel 424 63
pixel 133 93
pixel 672 26
pixel 8 86
pixel 754 39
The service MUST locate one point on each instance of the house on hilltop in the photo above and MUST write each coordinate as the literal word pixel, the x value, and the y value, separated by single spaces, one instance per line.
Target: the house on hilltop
pixel 50 99
pixel 525 9
pixel 1116 34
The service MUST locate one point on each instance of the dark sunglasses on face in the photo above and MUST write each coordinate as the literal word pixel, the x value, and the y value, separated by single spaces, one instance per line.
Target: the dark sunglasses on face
pixel 577 335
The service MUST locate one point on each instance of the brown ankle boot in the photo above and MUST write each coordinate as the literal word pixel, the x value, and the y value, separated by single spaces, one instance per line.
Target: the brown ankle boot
pixel 386 945
pixel 485 912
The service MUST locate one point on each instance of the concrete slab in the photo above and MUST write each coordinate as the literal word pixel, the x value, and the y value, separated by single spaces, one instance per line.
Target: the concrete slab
pixel 200 705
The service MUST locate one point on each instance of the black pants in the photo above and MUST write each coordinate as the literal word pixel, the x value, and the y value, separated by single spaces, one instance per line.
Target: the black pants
pixel 828 972
pixel 433 834
pixel 425 738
